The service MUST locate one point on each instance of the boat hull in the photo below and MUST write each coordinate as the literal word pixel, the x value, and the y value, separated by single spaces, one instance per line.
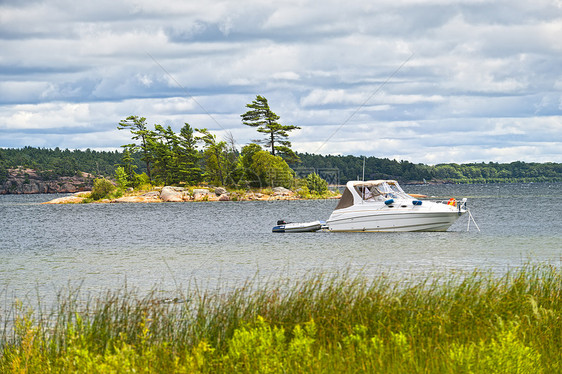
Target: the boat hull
pixel 392 221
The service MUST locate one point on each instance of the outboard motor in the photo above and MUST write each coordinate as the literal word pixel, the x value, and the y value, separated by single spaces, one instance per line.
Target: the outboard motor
pixel 462 205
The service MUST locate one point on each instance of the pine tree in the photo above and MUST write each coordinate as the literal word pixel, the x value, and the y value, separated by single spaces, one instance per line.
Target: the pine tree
pixel 188 156
pixel 164 146
pixel 137 127
pixel 128 163
pixel 261 116
pixel 215 154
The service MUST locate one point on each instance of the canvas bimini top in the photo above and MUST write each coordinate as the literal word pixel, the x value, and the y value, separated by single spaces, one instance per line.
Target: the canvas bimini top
pixel 357 192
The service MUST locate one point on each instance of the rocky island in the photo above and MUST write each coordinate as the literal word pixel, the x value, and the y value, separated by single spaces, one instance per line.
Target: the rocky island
pixel 185 194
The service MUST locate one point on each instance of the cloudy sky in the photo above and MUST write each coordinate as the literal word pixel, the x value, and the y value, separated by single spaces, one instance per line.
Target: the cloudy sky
pixel 428 81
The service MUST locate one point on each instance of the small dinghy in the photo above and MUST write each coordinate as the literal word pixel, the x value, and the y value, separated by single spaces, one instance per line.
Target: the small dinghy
pixel 283 226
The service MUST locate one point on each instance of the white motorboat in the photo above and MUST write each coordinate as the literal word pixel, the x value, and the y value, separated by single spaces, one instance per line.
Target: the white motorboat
pixel 382 205
pixel 283 226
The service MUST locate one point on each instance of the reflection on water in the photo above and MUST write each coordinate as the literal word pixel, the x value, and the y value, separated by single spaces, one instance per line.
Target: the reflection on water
pixel 46 247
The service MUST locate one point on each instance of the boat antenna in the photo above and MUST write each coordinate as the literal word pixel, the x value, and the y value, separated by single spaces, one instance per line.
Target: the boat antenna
pixel 363 168
pixel 363 190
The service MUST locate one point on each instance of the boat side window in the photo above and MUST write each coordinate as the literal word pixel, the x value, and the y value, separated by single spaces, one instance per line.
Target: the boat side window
pixel 368 192
pixel 372 193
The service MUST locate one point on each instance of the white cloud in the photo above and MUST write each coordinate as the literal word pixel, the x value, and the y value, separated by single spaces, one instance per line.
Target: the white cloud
pixel 52 116
pixel 286 75
pixel 483 83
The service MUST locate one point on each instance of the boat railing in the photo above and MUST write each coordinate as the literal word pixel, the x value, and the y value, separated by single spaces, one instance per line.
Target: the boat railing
pixel 461 204
pixel 462 208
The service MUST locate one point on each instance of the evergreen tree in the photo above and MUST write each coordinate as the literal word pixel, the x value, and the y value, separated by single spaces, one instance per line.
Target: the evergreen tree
pixel 215 155
pixel 188 157
pixel 122 178
pixel 128 163
pixel 3 167
pixel 165 145
pixel 261 116
pixel 137 127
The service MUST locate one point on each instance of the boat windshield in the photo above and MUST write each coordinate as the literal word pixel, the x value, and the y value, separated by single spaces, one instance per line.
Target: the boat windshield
pixel 382 191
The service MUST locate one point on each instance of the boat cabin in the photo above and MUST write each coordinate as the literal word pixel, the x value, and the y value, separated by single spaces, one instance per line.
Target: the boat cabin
pixel 358 192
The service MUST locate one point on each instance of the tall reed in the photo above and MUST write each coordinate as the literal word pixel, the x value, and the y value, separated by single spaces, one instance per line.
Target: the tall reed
pixel 323 323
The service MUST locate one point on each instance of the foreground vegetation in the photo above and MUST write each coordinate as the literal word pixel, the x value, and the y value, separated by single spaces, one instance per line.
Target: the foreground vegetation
pixel 475 323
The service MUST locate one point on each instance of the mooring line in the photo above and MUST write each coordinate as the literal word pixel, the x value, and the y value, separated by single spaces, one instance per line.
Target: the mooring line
pixel 470 217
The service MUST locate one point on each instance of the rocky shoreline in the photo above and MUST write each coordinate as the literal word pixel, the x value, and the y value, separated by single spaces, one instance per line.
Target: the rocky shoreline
pixel 29 181
pixel 182 194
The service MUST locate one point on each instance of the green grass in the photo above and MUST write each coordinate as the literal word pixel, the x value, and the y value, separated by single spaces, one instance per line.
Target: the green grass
pixel 476 323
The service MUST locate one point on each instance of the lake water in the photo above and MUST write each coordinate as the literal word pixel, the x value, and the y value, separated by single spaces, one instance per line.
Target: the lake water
pixel 45 248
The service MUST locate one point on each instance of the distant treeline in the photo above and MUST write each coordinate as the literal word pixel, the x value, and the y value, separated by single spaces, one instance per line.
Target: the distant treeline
pixel 340 169
pixel 53 163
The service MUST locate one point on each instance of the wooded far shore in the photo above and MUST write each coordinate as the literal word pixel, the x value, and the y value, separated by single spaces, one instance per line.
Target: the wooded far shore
pixel 41 170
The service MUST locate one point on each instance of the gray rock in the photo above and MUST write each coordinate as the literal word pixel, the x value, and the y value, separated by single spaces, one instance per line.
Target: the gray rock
pixel 281 191
pixel 220 191
pixel 199 193
pixel 152 194
pixel 169 194
pixel 224 197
